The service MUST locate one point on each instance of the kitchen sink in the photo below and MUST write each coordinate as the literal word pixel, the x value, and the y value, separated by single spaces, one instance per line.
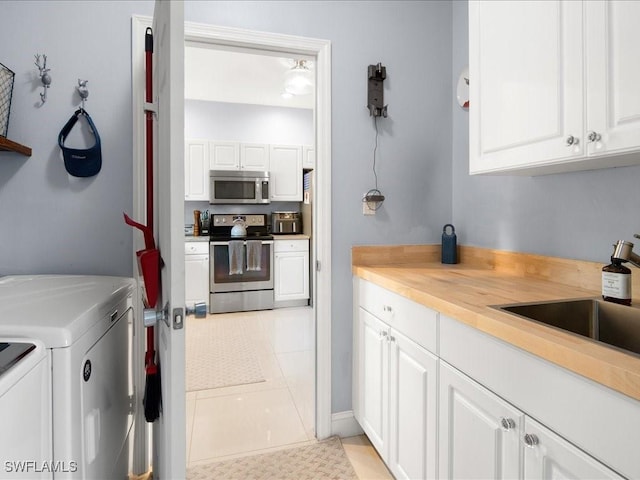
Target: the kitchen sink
pixel 609 323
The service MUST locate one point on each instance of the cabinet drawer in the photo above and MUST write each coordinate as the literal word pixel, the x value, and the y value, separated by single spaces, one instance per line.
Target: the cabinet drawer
pixel 291 245
pixel 413 320
pixel 194 248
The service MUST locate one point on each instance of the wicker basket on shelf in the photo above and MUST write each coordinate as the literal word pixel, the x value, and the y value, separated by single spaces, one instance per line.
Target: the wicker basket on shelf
pixel 6 90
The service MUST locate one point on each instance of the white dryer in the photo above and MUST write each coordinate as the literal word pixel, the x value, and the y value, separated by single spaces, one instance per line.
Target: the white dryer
pixel 25 409
pixel 85 324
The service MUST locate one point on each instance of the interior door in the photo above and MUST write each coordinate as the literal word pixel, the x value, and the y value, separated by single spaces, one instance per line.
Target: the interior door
pixel 169 431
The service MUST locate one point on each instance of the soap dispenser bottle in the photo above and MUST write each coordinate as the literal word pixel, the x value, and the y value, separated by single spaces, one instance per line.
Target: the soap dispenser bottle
pixel 616 283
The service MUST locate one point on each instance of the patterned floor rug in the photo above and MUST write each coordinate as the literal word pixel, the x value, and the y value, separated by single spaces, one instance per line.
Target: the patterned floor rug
pixel 324 460
pixel 219 354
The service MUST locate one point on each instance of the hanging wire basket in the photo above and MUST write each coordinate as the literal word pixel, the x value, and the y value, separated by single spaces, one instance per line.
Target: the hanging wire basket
pixel 6 90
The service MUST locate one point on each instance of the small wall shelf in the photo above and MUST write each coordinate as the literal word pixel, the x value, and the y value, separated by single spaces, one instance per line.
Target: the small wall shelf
pixel 11 146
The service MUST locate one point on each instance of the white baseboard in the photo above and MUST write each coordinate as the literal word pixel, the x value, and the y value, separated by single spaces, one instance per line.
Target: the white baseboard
pixel 344 424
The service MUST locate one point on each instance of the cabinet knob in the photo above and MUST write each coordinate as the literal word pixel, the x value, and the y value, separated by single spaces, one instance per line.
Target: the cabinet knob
pixel 383 333
pixel 594 137
pixel 571 140
pixel 507 423
pixel 387 308
pixel 392 338
pixel 531 440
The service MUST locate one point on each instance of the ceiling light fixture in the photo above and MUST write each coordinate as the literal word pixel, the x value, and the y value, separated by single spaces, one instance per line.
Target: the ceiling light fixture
pixel 299 79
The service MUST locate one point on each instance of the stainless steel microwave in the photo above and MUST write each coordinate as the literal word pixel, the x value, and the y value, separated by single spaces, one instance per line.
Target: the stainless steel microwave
pixel 230 186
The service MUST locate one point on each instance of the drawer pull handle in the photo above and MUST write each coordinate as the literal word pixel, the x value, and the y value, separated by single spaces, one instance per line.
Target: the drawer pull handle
pixel 507 423
pixel 531 440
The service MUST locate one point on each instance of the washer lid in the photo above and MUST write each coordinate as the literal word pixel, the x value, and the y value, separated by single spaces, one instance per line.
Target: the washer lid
pixel 12 353
pixel 18 356
pixel 57 309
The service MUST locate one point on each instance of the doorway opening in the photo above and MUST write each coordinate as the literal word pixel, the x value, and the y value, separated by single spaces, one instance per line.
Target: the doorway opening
pixel 292 344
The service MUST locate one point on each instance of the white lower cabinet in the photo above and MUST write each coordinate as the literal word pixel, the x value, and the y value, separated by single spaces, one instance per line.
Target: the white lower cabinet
pixel 412 409
pixel 374 386
pixel 501 413
pixel 548 456
pixel 483 436
pixel 479 432
pixel 291 272
pixel 396 395
pixel 196 273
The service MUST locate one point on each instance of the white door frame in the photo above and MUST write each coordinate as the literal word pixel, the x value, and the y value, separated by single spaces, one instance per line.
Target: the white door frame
pixel 321 240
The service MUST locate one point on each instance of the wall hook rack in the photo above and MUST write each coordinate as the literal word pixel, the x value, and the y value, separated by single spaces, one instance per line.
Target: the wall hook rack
pixel 45 78
pixel 83 91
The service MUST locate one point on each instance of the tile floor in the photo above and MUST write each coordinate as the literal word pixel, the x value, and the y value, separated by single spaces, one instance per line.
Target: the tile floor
pixel 249 419
pixel 278 413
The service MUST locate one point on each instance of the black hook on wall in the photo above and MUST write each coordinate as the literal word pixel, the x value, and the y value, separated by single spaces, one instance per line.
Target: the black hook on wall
pixel 376 106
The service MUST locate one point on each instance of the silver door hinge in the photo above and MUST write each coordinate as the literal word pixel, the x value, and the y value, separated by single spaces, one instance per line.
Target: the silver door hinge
pixel 317 265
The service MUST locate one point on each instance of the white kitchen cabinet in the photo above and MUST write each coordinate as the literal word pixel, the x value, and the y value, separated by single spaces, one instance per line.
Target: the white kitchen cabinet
pixel 396 393
pixel 612 76
pixel 597 425
pixel 308 157
pixel 196 272
pixel 238 156
pixel 254 156
pixel 196 170
pixel 482 436
pixel 285 166
pixel 548 456
pixel 479 432
pixel 291 272
pixel 224 156
pixel 412 409
pixel 552 86
pixel 373 367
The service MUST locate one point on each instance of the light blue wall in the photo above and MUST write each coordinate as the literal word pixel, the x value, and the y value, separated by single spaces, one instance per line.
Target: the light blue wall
pixel 51 222
pixel 248 123
pixel 413 40
pixel 571 215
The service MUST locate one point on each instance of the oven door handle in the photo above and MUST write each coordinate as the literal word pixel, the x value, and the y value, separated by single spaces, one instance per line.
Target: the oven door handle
pixel 264 242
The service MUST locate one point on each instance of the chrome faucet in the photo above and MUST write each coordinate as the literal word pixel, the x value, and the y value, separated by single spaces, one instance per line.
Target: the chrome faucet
pixel 623 251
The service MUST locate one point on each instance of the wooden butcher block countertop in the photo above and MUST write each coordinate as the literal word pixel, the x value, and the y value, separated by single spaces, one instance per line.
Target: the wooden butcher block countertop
pixel 484 278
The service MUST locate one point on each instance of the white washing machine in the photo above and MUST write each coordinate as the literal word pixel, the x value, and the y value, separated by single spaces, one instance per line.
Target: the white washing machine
pixel 85 327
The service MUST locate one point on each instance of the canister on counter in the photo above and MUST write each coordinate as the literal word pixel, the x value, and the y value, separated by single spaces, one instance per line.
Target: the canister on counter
pixel 196 223
pixel 449 245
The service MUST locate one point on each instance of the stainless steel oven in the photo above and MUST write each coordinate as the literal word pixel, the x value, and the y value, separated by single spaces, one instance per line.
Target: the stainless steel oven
pixel 240 268
pixel 236 187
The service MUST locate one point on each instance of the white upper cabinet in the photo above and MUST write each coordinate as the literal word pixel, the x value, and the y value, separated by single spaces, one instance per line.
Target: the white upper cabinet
pixel 196 164
pixel 552 86
pixel 308 157
pixel 224 155
pixel 254 156
pixel 285 183
pixel 612 38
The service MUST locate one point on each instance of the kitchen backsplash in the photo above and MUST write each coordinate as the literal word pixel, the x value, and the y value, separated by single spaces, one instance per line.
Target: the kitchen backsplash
pixel 189 207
